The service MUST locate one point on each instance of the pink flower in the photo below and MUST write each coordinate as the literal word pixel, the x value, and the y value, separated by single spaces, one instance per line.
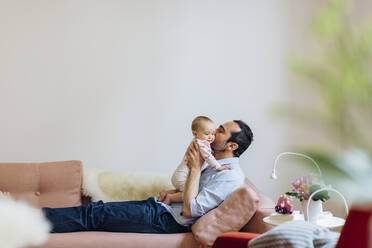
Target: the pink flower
pixel 302 185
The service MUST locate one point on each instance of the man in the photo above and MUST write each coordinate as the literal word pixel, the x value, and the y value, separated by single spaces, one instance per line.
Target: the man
pixel 204 191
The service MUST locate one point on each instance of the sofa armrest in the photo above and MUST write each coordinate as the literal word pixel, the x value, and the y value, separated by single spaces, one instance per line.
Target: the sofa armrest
pixel 234 240
pixel 46 184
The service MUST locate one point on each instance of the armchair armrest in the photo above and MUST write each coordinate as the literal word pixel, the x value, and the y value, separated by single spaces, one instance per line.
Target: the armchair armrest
pixel 234 240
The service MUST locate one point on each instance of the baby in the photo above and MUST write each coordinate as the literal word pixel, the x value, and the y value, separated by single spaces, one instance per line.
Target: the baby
pixel 203 130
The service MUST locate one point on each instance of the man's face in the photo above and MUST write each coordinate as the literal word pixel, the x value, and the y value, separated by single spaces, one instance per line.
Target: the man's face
pixel 223 134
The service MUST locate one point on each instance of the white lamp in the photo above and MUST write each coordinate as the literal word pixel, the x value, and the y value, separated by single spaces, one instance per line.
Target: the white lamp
pixel 273 175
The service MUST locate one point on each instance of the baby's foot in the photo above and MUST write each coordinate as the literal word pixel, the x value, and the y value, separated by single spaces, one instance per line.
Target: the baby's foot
pixel 5 194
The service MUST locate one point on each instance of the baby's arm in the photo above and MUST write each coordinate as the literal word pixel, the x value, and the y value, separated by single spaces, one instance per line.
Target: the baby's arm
pixel 206 153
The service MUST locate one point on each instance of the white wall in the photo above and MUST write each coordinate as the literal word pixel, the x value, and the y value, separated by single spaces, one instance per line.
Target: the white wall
pixel 116 84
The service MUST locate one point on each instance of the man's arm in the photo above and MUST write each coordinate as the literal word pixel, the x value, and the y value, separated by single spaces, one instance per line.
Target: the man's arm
pixel 195 163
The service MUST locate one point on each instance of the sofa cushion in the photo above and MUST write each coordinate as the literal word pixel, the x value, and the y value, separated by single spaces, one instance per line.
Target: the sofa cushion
pixel 119 240
pixel 51 184
pixel 231 215
pixel 265 208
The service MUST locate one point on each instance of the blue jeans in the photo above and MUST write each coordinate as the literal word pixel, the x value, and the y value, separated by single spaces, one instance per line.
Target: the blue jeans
pixel 132 216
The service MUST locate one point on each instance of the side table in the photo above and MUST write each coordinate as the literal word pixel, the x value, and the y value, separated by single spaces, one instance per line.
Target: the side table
pixel 325 220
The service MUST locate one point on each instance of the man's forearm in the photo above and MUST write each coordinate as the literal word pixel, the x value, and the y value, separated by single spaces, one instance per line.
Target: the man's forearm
pixel 191 190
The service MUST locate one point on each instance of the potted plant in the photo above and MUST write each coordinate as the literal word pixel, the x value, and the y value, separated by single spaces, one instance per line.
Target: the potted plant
pixel 302 189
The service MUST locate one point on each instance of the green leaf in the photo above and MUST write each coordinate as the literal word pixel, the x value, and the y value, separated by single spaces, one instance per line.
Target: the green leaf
pixel 322 195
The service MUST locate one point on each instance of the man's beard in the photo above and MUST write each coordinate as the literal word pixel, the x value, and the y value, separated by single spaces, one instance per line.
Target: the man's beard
pixel 214 150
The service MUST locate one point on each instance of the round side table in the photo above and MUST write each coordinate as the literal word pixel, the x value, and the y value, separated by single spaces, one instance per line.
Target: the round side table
pixel 325 221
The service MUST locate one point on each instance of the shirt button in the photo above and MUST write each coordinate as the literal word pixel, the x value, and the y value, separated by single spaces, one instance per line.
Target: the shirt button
pixel 37 193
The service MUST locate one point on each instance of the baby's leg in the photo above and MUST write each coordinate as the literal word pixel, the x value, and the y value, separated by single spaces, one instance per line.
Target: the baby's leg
pixel 177 197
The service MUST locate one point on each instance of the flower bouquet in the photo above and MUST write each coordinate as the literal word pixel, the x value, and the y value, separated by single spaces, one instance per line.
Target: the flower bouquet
pixel 303 187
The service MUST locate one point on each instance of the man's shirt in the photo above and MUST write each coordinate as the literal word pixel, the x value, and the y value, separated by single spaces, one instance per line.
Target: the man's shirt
pixel 214 188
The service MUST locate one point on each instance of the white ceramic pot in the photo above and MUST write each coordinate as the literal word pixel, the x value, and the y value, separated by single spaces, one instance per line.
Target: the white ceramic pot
pixel 315 210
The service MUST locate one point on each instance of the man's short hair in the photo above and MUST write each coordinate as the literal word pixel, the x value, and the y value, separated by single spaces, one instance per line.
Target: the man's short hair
pixel 243 138
pixel 196 122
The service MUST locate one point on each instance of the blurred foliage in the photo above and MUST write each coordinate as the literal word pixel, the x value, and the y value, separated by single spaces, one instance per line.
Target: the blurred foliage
pixel 340 72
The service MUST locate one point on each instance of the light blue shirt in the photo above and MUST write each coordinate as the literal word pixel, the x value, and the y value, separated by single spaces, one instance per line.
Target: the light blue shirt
pixel 214 187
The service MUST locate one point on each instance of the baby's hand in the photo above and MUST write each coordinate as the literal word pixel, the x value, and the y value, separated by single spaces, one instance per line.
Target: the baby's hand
pixel 224 167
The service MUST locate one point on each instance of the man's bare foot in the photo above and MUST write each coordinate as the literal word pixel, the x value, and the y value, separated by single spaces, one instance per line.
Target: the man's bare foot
pixel 5 194
pixel 167 199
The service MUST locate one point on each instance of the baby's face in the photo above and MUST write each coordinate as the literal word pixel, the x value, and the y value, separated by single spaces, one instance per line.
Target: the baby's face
pixel 206 131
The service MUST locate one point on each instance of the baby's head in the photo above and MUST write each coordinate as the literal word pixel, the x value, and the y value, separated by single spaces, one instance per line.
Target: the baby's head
pixel 203 128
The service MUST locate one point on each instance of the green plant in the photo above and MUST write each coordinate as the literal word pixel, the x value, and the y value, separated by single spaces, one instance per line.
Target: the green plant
pixel 340 72
pixel 323 195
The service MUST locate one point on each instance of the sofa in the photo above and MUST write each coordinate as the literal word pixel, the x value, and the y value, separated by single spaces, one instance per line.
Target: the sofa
pixel 59 184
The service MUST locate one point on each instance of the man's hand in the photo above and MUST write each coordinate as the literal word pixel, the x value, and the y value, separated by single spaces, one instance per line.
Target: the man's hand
pixel 194 159
pixel 194 162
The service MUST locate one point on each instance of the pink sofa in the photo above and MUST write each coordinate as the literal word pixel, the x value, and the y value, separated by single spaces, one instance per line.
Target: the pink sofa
pixel 58 184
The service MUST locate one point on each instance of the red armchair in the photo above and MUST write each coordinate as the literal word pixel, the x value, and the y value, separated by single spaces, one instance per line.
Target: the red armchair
pixel 356 231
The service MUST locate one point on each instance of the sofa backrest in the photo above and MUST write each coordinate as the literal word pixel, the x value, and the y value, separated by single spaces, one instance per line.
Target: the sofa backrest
pixel 50 184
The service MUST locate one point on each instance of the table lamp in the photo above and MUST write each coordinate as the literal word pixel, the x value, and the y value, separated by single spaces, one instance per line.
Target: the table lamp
pixel 273 174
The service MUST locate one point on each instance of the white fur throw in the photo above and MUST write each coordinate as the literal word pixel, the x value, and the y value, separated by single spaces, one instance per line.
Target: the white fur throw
pixel 122 186
pixel 21 225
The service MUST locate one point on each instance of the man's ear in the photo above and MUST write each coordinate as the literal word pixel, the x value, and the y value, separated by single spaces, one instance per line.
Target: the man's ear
pixel 232 146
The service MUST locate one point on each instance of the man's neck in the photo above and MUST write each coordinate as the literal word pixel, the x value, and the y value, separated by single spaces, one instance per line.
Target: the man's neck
pixel 222 155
